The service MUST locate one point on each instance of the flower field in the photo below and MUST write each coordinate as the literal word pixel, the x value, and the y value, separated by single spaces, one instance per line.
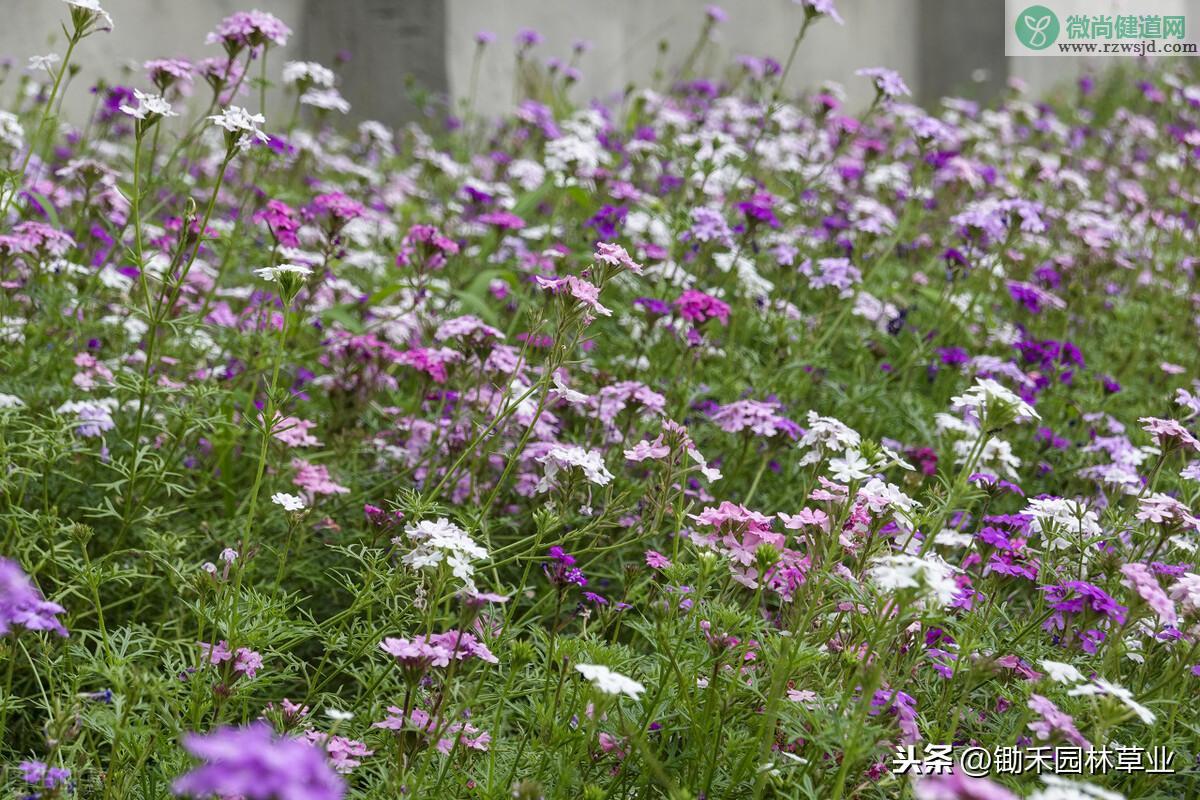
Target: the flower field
pixel 712 442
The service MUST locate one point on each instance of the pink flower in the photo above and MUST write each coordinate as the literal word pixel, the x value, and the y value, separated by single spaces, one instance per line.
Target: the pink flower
pixel 585 292
pixel 1054 721
pixel 656 560
pixel 295 432
pixel 250 29
pixel 247 662
pixel 1169 433
pixel 215 654
pixel 1140 578
pixel 644 450
pixel 615 255
pixel 315 479
pixel 698 307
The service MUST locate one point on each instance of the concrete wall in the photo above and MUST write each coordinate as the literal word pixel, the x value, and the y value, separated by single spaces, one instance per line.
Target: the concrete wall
pixel 143 29
pixel 939 46
pixel 626 35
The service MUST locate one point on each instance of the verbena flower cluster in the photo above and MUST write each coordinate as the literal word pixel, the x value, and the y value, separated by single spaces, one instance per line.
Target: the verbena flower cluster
pixel 716 442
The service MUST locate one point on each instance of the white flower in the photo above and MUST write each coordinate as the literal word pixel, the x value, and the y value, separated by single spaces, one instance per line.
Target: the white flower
pixel 826 434
pixel 1101 686
pixel 10 401
pixel 279 271
pixel 931 575
pixel 308 71
pixel 850 467
pixel 996 455
pixel 290 502
pixel 1062 673
pixel 561 457
pixel 148 104
pixel 236 119
pixel 327 99
pixel 710 473
pixel 1062 789
pixel 610 682
pixel 338 715
pixel 442 541
pixel 988 394
pixel 45 62
pixel 564 392
pixel 1056 516
pixel 11 132
pixel 97 12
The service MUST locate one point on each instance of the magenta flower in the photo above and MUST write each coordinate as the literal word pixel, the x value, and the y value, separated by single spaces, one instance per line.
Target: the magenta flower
pixel 698 307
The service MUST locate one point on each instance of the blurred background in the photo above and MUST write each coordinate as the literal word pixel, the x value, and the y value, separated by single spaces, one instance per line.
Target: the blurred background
pixel 378 47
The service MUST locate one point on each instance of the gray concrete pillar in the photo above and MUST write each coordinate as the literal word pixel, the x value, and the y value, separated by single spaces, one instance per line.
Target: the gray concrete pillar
pixel 389 43
pixel 961 49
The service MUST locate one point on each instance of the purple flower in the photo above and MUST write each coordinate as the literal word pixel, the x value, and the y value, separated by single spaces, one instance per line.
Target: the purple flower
pixel 888 83
pixel 527 37
pixel 43 776
pixel 21 604
pixel 258 765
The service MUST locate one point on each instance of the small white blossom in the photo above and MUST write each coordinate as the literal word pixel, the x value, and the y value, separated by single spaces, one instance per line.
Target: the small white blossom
pixel 1062 673
pixel 279 271
pixel 11 133
pixel 1062 789
pixel 439 541
pixel 1101 686
pixel 562 457
pixel 45 62
pixel 850 467
pixel 309 72
pixel 326 99
pixel 988 394
pixel 1057 517
pixel 98 13
pixel 826 434
pixel 290 502
pixel 931 575
pixel 610 682
pixel 149 105
pixel 236 119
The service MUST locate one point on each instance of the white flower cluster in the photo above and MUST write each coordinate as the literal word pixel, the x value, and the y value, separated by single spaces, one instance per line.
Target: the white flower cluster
pixel 1057 517
pixel 440 541
pixel 280 271
pixel 563 457
pixel 307 72
pixel 610 682
pixel 12 135
pixel 1062 789
pixel 149 106
pixel 1084 686
pixel 825 435
pixel 93 13
pixel 237 120
pixel 930 575
pixel 290 502
pixel 326 99
pixel 989 395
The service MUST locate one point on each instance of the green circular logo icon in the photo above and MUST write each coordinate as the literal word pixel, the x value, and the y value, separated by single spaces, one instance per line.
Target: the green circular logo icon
pixel 1037 27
